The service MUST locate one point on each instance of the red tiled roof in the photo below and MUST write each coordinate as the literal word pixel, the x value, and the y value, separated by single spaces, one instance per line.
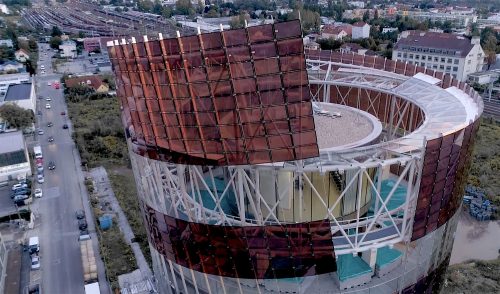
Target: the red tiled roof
pixel 359 24
pixel 436 40
pixel 95 81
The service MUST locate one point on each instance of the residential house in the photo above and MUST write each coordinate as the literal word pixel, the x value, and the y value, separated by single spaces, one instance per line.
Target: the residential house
pixel 68 49
pixel 449 53
pixel 7 43
pixel 360 30
pixel 356 49
pixel 22 55
pixel 331 32
pixel 95 82
pixel 12 67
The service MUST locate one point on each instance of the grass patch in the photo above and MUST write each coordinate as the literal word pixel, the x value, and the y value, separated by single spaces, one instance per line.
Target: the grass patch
pixel 485 168
pixel 118 257
pixel 473 277
pixel 123 184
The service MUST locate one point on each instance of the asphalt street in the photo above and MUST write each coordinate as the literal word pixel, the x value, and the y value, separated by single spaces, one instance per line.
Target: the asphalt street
pixel 58 230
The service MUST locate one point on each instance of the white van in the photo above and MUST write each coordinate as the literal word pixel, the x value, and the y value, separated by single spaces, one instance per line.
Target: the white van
pixel 34 245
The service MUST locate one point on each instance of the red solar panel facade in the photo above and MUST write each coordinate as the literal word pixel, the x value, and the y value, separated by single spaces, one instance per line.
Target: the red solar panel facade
pixel 224 98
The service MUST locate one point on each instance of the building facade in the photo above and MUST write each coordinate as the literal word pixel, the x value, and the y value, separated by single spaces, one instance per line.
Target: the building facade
pixel 360 30
pixel 10 79
pixel 264 168
pixel 68 49
pixel 23 95
pixel 448 53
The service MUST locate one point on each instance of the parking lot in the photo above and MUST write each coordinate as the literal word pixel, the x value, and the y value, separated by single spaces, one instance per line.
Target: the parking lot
pixel 6 204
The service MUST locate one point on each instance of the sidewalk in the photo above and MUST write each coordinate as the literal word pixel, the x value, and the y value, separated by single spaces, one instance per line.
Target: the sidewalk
pixel 103 188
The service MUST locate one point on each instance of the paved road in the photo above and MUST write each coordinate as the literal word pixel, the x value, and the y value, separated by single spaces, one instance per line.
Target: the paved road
pixel 58 230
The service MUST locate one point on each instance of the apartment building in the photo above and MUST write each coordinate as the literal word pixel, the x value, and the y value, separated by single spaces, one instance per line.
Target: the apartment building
pixel 452 54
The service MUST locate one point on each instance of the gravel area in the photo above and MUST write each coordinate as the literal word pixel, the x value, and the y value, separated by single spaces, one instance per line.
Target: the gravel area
pixel 351 127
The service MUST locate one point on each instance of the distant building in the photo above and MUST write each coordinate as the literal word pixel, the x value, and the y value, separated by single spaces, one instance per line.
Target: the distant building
pixel 4 9
pixel 23 95
pixel 358 4
pixel 12 67
pixel 356 49
pixel 331 32
pixel 92 44
pixel 6 42
pixel 68 49
pixel 360 30
pixel 10 79
pixel 95 82
pixel 483 78
pixel 459 20
pixel 389 30
pixel 22 55
pixel 14 157
pixel 448 53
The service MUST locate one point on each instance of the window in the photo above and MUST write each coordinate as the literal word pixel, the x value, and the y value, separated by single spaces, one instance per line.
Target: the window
pixel 411 56
pixel 441 67
pixel 434 66
pixel 455 68
pixel 422 63
pixel 405 55
pixel 443 59
pixel 455 61
pixel 435 59
pixel 399 54
pixel 417 56
pixel 448 68
pixel 469 61
pixel 454 76
pixel 449 60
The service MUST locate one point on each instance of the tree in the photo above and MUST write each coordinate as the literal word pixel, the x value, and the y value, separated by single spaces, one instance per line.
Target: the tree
pixel 212 13
pixel 238 21
pixel 16 116
pixel 184 7
pixel 56 31
pixel 55 42
pixel 366 15
pixel 491 58
pixel 30 67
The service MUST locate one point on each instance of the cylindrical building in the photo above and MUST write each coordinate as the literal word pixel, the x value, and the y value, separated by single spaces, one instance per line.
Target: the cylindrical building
pixel 264 168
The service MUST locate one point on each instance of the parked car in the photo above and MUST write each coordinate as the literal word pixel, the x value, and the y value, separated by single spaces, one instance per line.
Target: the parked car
pixel 65 126
pixel 63 113
pixel 49 84
pixel 38 193
pixel 47 106
pixel 19 186
pixel 21 192
pixel 40 132
pixel 39 169
pixel 50 124
pixel 35 262
pixel 82 224
pixel 50 139
pixel 80 214
pixel 48 99
pixel 52 165
pixel 40 179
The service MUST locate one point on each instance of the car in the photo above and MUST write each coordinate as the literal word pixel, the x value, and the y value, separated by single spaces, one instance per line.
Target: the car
pixel 48 99
pixel 40 179
pixel 63 113
pixel 40 132
pixel 38 193
pixel 65 126
pixel 52 165
pixel 50 124
pixel 35 262
pixel 82 224
pixel 42 72
pixel 21 197
pixel 39 112
pixel 49 84
pixel 39 161
pixel 39 169
pixel 19 186
pixel 80 214
pixel 50 139
pixel 47 106
pixel 40 97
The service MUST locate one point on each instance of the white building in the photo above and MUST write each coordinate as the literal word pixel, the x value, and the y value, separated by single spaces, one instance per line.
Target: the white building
pixel 68 49
pixel 485 77
pixel 358 4
pixel 6 42
pixel 443 52
pixel 14 157
pixel 389 30
pixel 22 55
pixel 360 30
pixel 460 20
pixel 9 79
pixel 23 95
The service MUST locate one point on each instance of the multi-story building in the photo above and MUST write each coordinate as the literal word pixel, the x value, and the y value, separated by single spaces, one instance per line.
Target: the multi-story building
pixel 14 157
pixel 9 79
pixel 248 186
pixel 448 53
pixel 360 30
pixel 92 44
pixel 459 20
pixel 23 95
pixel 68 49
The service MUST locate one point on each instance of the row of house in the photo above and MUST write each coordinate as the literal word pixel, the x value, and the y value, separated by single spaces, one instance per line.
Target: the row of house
pixel 341 31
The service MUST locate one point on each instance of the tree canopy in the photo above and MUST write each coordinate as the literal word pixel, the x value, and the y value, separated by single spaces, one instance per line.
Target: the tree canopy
pixel 16 116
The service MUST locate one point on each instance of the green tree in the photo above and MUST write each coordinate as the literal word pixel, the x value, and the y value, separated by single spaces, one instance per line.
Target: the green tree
pixel 184 7
pixel 6 53
pixel 56 31
pixel 366 15
pixel 212 13
pixel 55 42
pixel 16 116
pixel 238 21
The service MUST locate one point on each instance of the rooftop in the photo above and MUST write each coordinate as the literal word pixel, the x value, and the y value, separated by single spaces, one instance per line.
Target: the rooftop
pixel 435 40
pixel 18 92
pixel 11 141
pixel 92 81
pixel 341 126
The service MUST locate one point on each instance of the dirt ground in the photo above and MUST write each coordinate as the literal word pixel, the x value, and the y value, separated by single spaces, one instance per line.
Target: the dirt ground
pixel 480 277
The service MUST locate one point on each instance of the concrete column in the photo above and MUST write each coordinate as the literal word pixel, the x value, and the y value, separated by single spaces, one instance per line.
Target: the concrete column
pixel 370 257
